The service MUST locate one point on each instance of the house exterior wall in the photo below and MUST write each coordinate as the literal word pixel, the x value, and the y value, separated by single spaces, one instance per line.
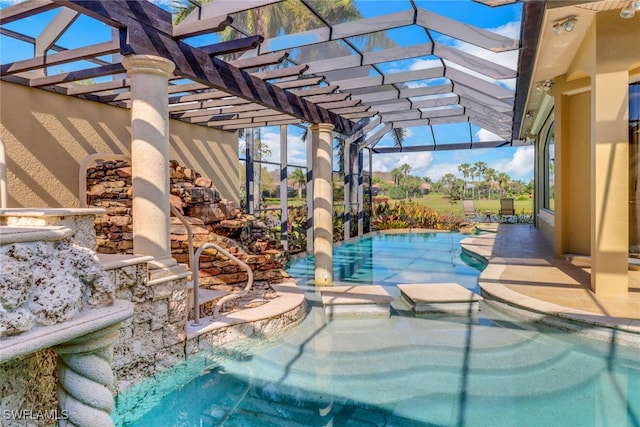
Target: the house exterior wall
pixel 48 135
pixel 573 170
pixel 592 160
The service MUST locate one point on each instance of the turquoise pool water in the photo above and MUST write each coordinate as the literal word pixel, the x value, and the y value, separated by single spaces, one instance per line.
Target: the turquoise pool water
pixel 487 369
pixel 387 259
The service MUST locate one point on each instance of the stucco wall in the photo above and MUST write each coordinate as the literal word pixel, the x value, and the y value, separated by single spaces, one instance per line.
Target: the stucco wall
pixel 47 136
pixel 576 175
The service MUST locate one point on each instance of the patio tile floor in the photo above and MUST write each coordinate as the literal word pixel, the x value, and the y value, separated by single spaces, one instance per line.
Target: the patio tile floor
pixel 526 265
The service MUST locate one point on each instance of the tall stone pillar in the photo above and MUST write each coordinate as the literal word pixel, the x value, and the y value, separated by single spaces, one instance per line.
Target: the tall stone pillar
pixel 150 156
pixel 322 203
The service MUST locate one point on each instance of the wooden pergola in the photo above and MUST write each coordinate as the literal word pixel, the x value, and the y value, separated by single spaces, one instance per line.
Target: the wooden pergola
pixel 254 82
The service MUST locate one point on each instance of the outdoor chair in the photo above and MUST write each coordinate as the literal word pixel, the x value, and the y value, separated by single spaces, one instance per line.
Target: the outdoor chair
pixel 506 207
pixel 469 209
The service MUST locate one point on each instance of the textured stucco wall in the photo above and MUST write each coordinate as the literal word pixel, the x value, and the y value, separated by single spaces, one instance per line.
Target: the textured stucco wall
pixel 47 136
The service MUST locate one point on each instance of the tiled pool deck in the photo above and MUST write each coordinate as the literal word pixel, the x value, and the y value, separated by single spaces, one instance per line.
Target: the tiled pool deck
pixel 524 273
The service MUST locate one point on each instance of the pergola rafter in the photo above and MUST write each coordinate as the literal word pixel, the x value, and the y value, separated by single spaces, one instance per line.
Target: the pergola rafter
pixel 267 83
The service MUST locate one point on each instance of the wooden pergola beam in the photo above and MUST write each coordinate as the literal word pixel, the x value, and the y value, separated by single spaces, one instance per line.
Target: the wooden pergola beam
pixel 201 26
pixel 149 31
pixel 63 57
pixel 259 61
pixel 232 46
pixel 25 10
pixel 74 76
pixel 280 73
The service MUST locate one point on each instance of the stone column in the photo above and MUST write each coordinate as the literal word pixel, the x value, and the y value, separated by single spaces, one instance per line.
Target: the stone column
pixel 322 203
pixel 85 378
pixel 150 156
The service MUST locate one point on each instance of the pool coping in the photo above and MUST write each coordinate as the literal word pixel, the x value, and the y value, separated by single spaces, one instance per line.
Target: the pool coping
pixel 585 323
pixel 289 298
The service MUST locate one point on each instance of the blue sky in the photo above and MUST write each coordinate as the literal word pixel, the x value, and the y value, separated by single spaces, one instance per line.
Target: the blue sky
pixel 516 162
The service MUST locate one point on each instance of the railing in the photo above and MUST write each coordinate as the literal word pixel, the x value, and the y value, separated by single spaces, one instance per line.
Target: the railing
pixel 194 264
pixel 186 224
pixel 196 281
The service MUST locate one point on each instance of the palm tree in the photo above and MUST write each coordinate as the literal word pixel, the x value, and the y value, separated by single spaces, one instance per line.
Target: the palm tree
pixel 396 174
pixel 448 179
pixel 299 178
pixel 480 170
pixel 464 169
pixel 398 135
pixel 472 175
pixel 405 169
pixel 489 176
pixel 503 180
pixel 273 20
pixel 290 17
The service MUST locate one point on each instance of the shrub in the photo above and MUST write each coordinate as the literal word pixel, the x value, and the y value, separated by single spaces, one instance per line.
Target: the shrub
pixel 397 192
pixel 409 214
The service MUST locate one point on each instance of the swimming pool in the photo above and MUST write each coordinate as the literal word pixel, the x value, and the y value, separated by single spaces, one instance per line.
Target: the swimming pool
pixel 487 369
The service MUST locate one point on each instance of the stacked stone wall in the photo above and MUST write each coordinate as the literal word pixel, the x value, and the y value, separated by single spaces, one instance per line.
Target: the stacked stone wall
pixel 212 219
pixel 154 338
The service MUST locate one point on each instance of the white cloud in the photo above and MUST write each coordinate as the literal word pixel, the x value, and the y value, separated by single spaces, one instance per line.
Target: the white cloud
pixel 296 148
pixel 419 162
pixel 507 59
pixel 165 2
pixel 436 172
pixel 421 64
pixel 485 135
pixel 519 166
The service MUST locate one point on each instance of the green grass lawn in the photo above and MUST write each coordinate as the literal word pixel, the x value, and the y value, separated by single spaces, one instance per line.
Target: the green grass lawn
pixel 441 204
pixel 435 201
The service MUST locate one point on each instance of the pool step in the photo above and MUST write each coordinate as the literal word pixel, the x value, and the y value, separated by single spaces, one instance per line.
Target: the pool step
pixel 440 298
pixel 356 301
pixel 204 295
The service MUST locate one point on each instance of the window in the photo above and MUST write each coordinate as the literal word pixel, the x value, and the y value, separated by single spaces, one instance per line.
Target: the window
pixel 549 170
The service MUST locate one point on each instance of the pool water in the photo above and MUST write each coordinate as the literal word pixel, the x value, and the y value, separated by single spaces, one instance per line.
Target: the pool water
pixel 487 369
pixel 387 259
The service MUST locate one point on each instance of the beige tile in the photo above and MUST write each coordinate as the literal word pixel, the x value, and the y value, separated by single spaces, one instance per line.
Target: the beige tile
pixel 530 273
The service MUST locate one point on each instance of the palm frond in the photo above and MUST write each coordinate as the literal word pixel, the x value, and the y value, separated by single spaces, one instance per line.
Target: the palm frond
pixel 399 135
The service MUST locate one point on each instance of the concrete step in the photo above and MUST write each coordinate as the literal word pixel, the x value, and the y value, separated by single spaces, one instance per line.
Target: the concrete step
pixel 204 295
pixel 440 298
pixel 356 301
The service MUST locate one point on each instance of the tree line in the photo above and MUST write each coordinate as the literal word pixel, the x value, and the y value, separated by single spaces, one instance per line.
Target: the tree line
pixel 479 181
